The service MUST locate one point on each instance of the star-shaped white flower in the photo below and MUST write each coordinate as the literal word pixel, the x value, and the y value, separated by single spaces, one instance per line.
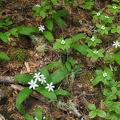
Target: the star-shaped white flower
pixel 37 76
pixel 42 79
pixel 103 27
pixel 116 44
pixel 93 38
pixel 32 84
pixel 98 14
pixel 104 74
pixel 95 52
pixel 106 17
pixel 114 7
pixel 63 42
pixel 41 28
pixel 50 87
pixel 37 5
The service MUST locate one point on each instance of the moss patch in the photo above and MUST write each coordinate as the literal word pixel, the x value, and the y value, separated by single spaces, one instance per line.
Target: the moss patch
pixel 19 55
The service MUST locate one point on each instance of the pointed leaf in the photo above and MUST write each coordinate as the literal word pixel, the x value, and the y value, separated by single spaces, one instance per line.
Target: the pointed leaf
pixel 101 113
pixel 38 113
pixel 81 48
pixel 61 92
pixel 49 24
pixel 48 35
pixel 3 56
pixel 59 75
pixel 28 117
pixel 25 78
pixel 22 95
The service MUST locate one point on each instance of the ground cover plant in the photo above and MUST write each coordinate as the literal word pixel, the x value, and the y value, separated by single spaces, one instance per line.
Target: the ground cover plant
pixel 80 79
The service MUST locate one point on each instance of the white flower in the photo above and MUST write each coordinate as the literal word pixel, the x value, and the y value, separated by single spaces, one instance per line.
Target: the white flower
pixel 103 27
pixel 36 118
pixel 114 7
pixel 116 44
pixel 32 84
pixel 42 79
pixel 50 86
pixel 41 28
pixel 104 74
pixel 95 52
pixel 93 38
pixel 98 14
pixel 37 5
pixel 37 76
pixel 106 17
pixel 63 42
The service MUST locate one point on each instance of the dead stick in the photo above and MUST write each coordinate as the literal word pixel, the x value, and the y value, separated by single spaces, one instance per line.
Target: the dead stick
pixel 7 79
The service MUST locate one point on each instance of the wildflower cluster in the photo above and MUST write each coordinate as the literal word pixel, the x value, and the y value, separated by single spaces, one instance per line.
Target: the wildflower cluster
pixel 38 77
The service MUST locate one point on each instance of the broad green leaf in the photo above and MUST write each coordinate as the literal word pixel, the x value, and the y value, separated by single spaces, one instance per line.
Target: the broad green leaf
pixel 101 113
pixel 68 66
pixel 45 72
pixel 59 75
pixel 61 13
pixel 48 35
pixel 97 80
pixel 54 2
pixel 27 30
pixel 3 37
pixel 117 57
pixel 71 60
pixel 91 107
pixel 28 117
pixel 81 48
pixel 14 32
pixel 22 95
pixel 59 21
pixel 38 113
pixel 92 114
pixel 53 64
pixel 3 56
pixel 42 14
pixel 25 78
pixel 49 24
pixel 61 92
pixel 44 92
pixel 78 37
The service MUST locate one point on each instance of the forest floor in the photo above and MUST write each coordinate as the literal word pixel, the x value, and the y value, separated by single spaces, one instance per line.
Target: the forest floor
pixel 81 90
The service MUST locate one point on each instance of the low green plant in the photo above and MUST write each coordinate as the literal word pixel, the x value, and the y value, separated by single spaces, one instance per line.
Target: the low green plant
pixel 96 112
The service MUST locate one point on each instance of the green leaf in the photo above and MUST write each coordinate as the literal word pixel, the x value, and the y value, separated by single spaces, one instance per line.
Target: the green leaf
pixel 101 113
pixel 25 78
pixel 27 30
pixel 92 114
pixel 44 92
pixel 42 14
pixel 81 48
pixel 22 95
pixel 3 56
pixel 62 92
pixel 38 113
pixel 59 75
pixel 48 35
pixel 71 60
pixel 78 37
pixel 28 117
pixel 117 57
pixel 61 13
pixel 68 66
pixel 59 21
pixel 45 72
pixel 49 24
pixel 91 107
pixel 53 64
pixel 14 32
pixel 3 37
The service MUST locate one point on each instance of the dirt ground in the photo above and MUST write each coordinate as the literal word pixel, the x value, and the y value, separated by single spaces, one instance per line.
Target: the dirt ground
pixel 81 89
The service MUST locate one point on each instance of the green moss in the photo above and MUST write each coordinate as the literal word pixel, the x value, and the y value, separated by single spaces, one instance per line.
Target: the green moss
pixel 19 55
